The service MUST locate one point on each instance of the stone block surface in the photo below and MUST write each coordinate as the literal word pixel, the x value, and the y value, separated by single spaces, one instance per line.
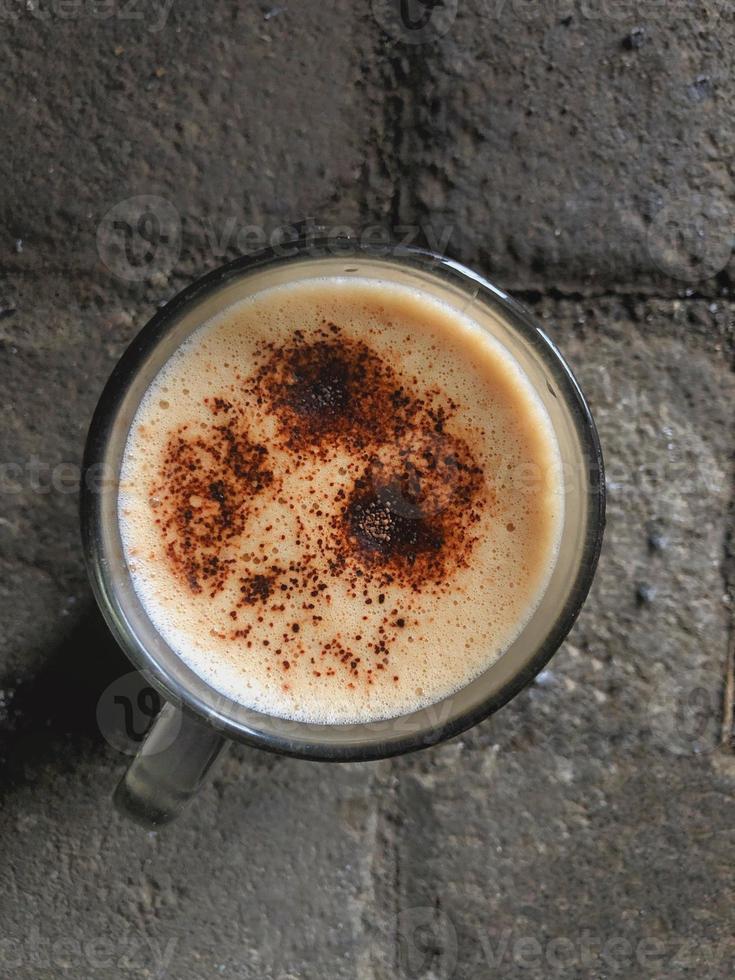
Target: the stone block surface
pixel 579 154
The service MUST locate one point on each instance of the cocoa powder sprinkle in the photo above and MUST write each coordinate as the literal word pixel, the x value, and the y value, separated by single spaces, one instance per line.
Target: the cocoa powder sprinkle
pixel 403 519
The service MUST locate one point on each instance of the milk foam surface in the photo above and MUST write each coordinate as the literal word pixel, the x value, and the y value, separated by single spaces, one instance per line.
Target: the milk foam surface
pixel 330 558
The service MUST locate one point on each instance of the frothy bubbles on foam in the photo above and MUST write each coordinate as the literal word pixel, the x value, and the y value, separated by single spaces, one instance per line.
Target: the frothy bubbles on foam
pixel 322 632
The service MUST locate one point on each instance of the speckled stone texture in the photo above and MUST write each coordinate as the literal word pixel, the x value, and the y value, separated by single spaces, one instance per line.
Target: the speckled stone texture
pixel 580 154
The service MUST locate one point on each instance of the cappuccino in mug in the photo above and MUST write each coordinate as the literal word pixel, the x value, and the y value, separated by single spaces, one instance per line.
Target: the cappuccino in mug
pixel 340 500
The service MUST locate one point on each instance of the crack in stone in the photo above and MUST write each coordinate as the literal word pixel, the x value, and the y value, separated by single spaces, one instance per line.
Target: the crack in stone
pixel 728 575
pixel 535 296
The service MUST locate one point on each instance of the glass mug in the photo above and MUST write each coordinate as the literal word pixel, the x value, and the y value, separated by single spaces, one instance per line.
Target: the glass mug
pixel 197 721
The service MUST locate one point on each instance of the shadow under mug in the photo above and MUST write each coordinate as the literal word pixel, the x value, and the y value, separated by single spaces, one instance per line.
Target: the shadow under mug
pixel 197 721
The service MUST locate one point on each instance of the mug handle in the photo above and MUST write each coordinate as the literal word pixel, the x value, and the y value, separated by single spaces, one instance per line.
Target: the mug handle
pixel 171 765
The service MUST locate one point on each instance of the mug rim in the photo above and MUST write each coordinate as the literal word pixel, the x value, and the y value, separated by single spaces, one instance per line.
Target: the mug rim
pixel 103 423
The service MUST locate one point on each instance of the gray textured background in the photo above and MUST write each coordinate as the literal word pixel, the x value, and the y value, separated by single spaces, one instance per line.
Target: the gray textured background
pixel 578 152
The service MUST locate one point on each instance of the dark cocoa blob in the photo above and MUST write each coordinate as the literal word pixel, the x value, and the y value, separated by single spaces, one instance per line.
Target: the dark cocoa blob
pixel 387 525
pixel 329 390
pixel 410 516
pixel 208 482
pixel 322 383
